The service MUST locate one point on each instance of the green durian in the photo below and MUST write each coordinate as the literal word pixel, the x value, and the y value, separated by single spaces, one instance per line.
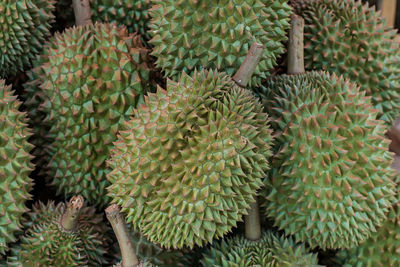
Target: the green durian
pixel 187 166
pixel 46 243
pixel 271 250
pixel 331 184
pixel 350 38
pixel 24 27
pixel 217 34
pixel 15 165
pixel 134 14
pixel 88 81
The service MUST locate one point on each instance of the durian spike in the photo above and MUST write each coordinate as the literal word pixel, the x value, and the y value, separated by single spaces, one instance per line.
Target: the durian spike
pixel 247 68
pixel 252 222
pixel 82 12
pixel 70 218
pixel 296 45
pixel 114 216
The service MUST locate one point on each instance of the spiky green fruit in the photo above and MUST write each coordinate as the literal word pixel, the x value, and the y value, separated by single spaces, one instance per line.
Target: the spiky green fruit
pixel 90 79
pixel 46 243
pixel 24 28
pixel 270 251
pixel 217 34
pixel 331 183
pixel 134 14
pixel 189 163
pixel 349 38
pixel 15 165
pixel 381 249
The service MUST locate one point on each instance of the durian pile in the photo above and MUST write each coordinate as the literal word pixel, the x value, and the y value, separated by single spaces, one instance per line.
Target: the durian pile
pixel 199 133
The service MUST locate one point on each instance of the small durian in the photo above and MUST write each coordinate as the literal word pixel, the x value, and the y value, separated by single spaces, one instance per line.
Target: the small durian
pixel 187 166
pixel 350 38
pixel 15 165
pixel 89 80
pixel 217 34
pixel 271 250
pixel 24 28
pixel 331 184
pixel 62 235
pixel 134 14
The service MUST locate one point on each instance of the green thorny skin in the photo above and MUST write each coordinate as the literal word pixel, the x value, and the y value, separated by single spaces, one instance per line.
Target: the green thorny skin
pixel 351 39
pixel 15 166
pixel 217 34
pixel 271 250
pixel 24 28
pixel 331 184
pixel 189 163
pixel 87 83
pixel 46 243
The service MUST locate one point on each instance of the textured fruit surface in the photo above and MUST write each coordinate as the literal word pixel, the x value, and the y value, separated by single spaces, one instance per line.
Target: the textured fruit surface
pixel 381 249
pixel 45 243
pixel 270 251
pixel 89 79
pixel 24 28
pixel 192 34
pixel 349 38
pixel 15 165
pixel 331 183
pixel 189 163
pixel 134 14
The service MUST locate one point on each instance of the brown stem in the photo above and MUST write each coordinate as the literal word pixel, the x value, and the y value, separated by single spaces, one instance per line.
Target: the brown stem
pixel 82 12
pixel 70 217
pixel 129 258
pixel 246 70
pixel 379 4
pixel 252 222
pixel 394 135
pixel 296 45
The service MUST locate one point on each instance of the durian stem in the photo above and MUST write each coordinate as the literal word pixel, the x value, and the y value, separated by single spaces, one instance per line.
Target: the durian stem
pixel 246 70
pixel 394 135
pixel 379 4
pixel 70 217
pixel 296 45
pixel 129 258
pixel 82 12
pixel 252 222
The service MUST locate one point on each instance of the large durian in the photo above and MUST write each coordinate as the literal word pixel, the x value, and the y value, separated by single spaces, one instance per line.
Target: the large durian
pixel 271 250
pixel 349 38
pixel 331 184
pixel 134 14
pixel 189 163
pixel 217 34
pixel 15 165
pixel 89 80
pixel 24 28
pixel 46 242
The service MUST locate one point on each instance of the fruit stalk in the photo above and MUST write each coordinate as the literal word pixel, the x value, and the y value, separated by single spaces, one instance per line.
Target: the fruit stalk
pixel 114 216
pixel 246 70
pixel 82 12
pixel 252 222
pixel 296 45
pixel 70 217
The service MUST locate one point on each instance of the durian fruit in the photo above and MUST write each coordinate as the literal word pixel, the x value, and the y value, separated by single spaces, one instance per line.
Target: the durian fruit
pixel 217 34
pixel 381 249
pixel 90 79
pixel 187 166
pixel 24 27
pixel 350 38
pixel 62 235
pixel 331 184
pixel 271 250
pixel 134 14
pixel 15 165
